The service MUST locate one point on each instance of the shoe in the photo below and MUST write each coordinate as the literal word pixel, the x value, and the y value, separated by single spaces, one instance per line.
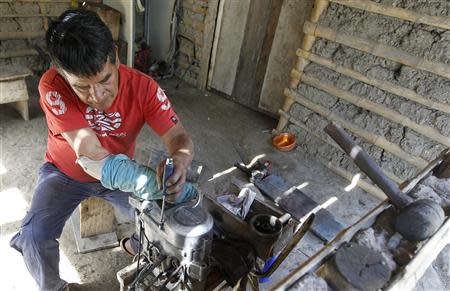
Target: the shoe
pixel 125 245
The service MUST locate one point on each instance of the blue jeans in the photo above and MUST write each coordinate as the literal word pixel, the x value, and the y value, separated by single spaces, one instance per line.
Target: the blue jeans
pixel 55 198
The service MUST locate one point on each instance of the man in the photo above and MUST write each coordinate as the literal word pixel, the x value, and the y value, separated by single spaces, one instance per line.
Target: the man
pixel 95 108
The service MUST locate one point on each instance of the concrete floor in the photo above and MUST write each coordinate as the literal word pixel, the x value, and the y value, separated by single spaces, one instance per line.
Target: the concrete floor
pixel 218 127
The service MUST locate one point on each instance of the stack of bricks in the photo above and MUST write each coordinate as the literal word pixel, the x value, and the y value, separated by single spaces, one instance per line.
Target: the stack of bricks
pixel 190 38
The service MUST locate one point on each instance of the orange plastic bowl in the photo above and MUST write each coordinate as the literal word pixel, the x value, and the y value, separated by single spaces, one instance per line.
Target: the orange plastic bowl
pixel 284 142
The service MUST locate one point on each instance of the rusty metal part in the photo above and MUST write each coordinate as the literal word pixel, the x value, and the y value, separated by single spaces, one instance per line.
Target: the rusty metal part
pixel 417 220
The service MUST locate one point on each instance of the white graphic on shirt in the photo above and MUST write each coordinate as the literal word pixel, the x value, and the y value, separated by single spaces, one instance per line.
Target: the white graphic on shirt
pixel 55 101
pixel 101 121
pixel 163 98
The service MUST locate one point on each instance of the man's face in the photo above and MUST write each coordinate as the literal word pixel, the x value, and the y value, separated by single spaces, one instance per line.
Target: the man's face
pixel 100 90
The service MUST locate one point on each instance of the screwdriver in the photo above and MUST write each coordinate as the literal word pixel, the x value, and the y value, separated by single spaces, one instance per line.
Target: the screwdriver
pixel 167 172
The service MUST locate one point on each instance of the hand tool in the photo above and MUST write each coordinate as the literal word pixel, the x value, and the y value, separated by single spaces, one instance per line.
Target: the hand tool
pixel 417 220
pixel 167 172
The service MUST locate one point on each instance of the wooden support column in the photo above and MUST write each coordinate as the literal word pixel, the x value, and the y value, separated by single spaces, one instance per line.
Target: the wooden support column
pixel 307 43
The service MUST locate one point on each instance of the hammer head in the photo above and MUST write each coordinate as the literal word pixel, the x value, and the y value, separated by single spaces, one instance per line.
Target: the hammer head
pixel 419 220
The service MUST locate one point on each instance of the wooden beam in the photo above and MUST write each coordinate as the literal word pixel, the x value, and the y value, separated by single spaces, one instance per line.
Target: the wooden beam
pixel 18 53
pixel 326 141
pixel 370 137
pixel 383 111
pixel 401 13
pixel 377 49
pixel 9 35
pixel 383 85
pixel 37 1
pixel 27 15
pixel 407 278
pixel 344 236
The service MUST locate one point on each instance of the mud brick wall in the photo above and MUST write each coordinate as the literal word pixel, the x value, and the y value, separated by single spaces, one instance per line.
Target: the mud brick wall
pixel 22 28
pixel 190 39
pixel 424 41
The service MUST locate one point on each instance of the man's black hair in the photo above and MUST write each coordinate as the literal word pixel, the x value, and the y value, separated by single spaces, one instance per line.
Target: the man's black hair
pixel 80 43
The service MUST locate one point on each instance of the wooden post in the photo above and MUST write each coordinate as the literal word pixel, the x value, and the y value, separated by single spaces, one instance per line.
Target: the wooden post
pixel 317 10
pixel 208 38
pixel 307 43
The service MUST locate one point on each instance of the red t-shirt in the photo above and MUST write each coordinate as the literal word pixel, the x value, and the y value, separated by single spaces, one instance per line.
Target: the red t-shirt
pixel 139 100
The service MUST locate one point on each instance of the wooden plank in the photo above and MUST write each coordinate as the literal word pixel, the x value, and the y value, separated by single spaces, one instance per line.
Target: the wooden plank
pixel 27 15
pixel 18 53
pixel 382 84
pixel 263 58
pixel 255 31
pixel 414 270
pixel 9 35
pixel 370 137
pixel 93 243
pixel 12 91
pixel 96 217
pixel 10 73
pixel 208 38
pixel 215 45
pixel 344 236
pixel 229 44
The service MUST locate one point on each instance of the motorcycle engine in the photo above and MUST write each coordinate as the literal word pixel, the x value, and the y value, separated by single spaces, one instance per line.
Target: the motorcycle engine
pixel 175 253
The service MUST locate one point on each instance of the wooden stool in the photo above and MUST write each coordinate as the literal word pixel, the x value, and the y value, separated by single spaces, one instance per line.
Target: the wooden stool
pixel 13 89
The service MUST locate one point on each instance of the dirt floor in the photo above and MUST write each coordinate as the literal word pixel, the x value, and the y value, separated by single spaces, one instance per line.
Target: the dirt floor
pixel 220 130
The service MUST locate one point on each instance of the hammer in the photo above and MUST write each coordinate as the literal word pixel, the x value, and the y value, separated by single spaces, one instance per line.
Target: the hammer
pixel 417 220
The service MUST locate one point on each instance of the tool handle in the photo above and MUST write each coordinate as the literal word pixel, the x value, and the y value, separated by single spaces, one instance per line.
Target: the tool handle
pixel 167 172
pixel 367 165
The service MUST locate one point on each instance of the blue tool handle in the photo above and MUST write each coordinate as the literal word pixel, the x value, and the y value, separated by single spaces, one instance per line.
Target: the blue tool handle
pixel 167 173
